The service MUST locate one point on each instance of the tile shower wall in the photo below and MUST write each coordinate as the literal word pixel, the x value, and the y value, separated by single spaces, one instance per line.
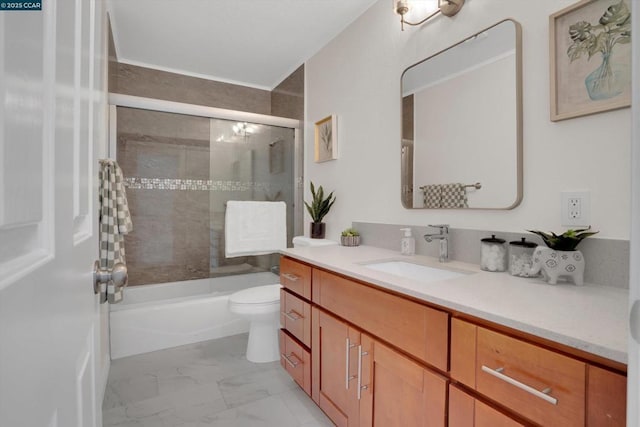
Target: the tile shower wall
pixel 180 201
pixel 146 82
pixel 170 214
pixel 287 99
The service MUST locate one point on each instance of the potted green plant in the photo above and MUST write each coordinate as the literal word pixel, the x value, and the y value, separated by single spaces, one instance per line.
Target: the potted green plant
pixel 350 237
pixel 318 209
pixel 560 258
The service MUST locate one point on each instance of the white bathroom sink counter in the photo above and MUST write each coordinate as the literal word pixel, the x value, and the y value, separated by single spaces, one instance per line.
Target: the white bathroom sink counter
pixel 591 318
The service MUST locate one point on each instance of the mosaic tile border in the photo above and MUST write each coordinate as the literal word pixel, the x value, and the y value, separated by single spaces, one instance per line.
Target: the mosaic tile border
pixel 135 183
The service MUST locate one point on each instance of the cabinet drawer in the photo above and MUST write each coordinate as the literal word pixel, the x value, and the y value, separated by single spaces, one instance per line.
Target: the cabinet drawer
pixel 466 411
pixel 539 384
pixel 296 361
pixel 295 277
pixel 295 316
pixel 419 330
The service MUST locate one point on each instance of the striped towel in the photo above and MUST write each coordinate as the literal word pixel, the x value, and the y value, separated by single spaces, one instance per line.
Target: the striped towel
pixel 454 196
pixel 432 195
pixel 114 217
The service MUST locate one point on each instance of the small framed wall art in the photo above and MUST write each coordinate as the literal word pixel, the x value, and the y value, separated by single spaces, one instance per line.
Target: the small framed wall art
pixel 326 139
pixel 590 58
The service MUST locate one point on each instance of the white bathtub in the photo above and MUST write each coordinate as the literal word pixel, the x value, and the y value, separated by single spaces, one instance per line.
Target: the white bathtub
pixel 153 317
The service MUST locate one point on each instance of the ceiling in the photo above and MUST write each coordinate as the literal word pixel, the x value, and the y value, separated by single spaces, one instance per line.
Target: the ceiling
pixel 255 43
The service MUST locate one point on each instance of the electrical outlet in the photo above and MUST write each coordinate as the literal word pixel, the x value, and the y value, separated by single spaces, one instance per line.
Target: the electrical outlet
pixel 575 208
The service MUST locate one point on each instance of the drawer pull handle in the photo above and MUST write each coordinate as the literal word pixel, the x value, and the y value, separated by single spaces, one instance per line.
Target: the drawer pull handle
pixel 290 276
pixel 360 386
pixel 292 315
pixel 289 361
pixel 544 394
pixel 347 377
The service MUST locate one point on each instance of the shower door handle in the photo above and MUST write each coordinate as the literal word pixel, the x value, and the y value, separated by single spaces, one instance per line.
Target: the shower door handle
pixel 103 277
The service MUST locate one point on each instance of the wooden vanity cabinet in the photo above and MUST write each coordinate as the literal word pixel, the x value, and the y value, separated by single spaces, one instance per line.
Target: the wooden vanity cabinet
pixel 606 398
pixel 359 381
pixel 467 411
pixel 536 383
pixel 334 368
pixel 296 277
pixel 296 360
pixel 295 320
pixel 397 391
pixel 421 331
pixel 295 316
pixel 369 357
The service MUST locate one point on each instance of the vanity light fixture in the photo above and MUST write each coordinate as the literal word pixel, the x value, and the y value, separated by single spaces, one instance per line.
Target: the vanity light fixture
pixel 446 7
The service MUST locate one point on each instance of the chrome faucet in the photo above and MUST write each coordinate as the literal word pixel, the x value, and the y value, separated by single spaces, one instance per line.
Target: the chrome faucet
pixel 443 236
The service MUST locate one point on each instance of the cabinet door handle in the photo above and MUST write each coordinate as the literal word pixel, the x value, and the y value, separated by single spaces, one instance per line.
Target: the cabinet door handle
pixel 291 362
pixel 292 315
pixel 360 386
pixel 347 377
pixel 544 394
pixel 290 276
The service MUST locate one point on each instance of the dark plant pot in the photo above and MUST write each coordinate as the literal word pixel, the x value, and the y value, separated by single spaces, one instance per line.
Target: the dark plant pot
pixel 317 230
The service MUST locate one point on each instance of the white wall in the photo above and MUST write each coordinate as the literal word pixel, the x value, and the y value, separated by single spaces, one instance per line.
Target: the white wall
pixel 357 77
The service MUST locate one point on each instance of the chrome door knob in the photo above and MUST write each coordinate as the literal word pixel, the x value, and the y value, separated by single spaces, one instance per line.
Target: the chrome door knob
pixel 117 276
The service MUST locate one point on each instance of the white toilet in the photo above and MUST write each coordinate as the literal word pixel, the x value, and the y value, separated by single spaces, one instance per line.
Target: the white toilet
pixel 261 306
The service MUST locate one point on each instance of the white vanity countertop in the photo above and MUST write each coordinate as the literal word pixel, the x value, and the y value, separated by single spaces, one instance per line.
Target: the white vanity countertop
pixel 591 318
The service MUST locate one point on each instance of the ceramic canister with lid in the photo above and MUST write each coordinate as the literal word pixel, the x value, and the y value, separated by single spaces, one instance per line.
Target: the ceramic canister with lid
pixel 521 257
pixel 493 254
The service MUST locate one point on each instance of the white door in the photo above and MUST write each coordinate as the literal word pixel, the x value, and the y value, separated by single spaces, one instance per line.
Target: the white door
pixel 52 128
pixel 633 383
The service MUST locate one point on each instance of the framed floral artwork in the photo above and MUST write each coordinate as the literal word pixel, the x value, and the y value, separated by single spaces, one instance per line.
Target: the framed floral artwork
pixel 326 139
pixel 590 58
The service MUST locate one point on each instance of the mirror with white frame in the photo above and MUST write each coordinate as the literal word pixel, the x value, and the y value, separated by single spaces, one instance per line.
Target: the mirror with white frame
pixel 462 124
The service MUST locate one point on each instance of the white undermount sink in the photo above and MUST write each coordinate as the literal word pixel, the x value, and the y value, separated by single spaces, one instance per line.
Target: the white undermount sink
pixel 418 272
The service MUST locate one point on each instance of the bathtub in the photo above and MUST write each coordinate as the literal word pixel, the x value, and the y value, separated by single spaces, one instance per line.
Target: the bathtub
pixel 154 317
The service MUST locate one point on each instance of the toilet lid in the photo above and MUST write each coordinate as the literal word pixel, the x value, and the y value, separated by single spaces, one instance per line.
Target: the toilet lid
pixel 257 295
pixel 300 241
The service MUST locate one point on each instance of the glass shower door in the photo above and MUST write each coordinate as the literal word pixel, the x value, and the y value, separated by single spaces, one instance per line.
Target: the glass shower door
pixel 248 162
pixel 180 170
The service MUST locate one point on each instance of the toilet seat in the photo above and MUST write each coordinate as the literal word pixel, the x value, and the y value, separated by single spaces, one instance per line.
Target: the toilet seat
pixel 257 300
pixel 257 295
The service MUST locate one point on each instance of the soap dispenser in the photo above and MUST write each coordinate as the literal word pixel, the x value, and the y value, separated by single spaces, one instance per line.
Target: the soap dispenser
pixel 408 243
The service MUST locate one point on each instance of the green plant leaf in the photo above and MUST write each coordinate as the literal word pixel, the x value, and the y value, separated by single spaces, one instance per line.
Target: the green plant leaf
pixel 567 241
pixel 350 232
pixel 319 206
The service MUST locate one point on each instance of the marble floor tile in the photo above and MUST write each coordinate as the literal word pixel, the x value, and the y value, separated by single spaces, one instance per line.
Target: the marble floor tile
pixel 240 389
pixel 267 412
pixel 304 409
pixel 205 384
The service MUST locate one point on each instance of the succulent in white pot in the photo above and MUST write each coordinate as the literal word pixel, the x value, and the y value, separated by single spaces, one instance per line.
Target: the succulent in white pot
pixel 560 258
pixel 350 237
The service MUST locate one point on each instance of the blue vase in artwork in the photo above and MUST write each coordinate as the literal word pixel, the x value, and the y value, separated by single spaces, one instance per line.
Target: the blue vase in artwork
pixel 606 81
